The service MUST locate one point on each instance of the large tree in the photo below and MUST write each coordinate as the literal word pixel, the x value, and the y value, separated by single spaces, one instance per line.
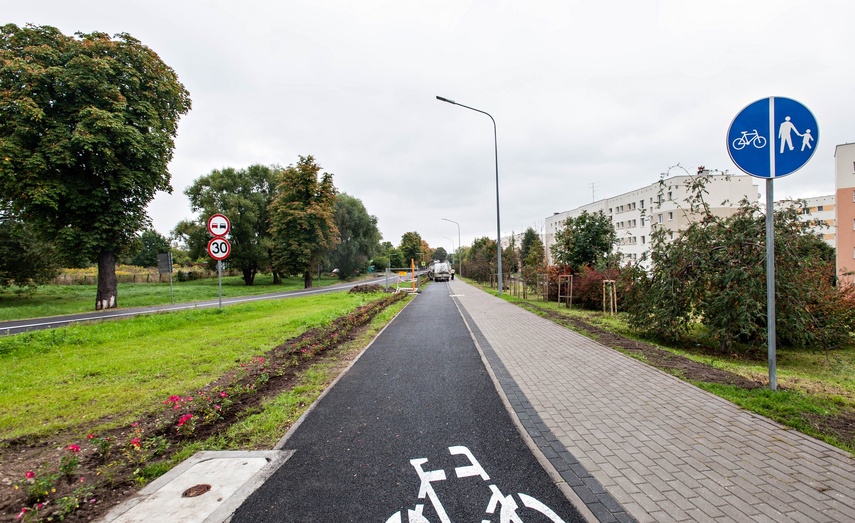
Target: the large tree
pixel 302 219
pixel 584 240
pixel 87 128
pixel 411 248
pixel 358 236
pixel 244 197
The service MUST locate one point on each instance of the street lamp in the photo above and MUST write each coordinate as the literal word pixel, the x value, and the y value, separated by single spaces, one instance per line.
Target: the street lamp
pixel 459 246
pixel 452 248
pixel 496 150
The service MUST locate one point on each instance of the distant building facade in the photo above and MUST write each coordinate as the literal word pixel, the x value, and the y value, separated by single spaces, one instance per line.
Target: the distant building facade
pixel 844 209
pixel 637 213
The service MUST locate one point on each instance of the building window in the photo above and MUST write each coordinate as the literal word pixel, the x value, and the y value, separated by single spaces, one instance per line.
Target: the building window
pixel 642 204
pixel 670 216
pixel 642 222
pixel 643 240
pixel 669 195
pixel 819 208
pixel 660 218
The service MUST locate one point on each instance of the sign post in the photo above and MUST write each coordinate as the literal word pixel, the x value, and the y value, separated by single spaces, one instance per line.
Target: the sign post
pixel 219 247
pixel 760 141
pixel 164 265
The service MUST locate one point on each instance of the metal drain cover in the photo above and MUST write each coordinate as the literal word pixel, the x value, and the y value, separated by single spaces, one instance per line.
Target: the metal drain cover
pixel 196 490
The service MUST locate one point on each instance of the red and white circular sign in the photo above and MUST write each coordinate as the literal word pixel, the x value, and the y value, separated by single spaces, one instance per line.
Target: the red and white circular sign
pixel 219 248
pixel 219 225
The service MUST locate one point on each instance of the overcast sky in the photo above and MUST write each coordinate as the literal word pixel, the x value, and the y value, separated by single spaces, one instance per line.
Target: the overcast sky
pixel 592 98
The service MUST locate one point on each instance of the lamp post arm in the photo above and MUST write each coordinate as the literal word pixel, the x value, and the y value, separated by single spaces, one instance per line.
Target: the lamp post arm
pixel 498 214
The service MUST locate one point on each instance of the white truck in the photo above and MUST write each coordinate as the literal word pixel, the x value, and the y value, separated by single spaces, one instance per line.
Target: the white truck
pixel 441 271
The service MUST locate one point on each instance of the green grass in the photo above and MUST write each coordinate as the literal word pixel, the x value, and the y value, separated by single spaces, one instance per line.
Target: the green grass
pixel 264 427
pixel 792 408
pixel 54 300
pixel 98 376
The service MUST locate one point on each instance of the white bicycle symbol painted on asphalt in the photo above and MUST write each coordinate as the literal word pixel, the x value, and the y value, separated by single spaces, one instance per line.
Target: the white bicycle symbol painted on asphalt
pixel 506 505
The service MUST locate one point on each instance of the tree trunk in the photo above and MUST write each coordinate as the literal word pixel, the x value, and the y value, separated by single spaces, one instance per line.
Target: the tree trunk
pixel 107 284
pixel 307 280
pixel 248 276
pixel 277 280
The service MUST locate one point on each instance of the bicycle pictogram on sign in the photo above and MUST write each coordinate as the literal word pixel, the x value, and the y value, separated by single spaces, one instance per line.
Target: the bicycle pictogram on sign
pixel 749 138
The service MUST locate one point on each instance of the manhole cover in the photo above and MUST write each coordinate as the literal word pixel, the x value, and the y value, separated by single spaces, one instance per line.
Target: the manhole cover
pixel 196 490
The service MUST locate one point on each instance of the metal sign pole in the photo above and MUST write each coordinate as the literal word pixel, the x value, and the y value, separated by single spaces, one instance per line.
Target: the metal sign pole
pixel 220 277
pixel 770 282
pixel 171 292
pixel 771 121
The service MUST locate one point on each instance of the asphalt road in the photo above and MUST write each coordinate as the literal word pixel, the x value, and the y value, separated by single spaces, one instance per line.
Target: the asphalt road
pixel 19 326
pixel 414 431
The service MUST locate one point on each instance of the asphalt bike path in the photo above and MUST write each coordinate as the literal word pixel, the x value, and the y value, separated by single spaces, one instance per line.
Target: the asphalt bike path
pixel 414 431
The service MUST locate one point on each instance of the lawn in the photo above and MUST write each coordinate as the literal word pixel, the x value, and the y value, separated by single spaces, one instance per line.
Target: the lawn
pixel 94 396
pixel 54 300
pixel 107 374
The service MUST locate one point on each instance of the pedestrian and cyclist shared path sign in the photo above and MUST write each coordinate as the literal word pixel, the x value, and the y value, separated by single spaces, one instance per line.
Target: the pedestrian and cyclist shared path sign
pixel 772 137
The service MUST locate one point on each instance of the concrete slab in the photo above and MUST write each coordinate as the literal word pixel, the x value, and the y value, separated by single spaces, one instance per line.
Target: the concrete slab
pixel 221 481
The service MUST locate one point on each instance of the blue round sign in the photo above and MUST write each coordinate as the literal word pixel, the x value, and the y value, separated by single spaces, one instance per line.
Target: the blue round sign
pixel 772 137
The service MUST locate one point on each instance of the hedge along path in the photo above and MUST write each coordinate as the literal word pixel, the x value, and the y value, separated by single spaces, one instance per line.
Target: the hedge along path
pixel 106 375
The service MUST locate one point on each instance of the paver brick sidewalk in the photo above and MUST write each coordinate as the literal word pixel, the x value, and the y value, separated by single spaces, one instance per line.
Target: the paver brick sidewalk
pixel 664 449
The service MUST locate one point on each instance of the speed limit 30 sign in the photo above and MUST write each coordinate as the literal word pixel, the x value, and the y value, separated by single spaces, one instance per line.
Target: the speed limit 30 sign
pixel 219 248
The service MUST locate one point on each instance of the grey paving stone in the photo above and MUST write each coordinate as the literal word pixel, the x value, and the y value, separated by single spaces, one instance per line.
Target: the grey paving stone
pixel 643 434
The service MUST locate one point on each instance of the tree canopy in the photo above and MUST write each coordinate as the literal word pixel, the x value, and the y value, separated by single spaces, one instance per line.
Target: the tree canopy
pixel 302 219
pixel 26 259
pixel 150 244
pixel 244 196
pixel 584 240
pixel 411 248
pixel 439 254
pixel 358 236
pixel 714 273
pixel 87 131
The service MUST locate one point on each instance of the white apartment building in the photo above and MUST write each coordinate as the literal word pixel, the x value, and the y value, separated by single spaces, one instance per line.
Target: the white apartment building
pixel 635 213
pixel 820 211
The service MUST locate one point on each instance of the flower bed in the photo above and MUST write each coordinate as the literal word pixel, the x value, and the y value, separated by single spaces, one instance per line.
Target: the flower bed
pixel 77 481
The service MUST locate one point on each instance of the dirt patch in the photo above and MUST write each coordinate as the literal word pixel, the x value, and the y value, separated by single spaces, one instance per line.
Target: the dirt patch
pixel 110 461
pixel 840 425
pixel 680 366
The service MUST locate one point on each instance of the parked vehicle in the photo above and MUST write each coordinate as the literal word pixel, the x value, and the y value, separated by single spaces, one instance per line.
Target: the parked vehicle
pixel 441 271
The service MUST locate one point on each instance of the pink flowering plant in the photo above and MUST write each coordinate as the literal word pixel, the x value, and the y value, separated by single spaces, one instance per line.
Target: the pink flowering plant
pixel 38 486
pixel 69 463
pixel 102 444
